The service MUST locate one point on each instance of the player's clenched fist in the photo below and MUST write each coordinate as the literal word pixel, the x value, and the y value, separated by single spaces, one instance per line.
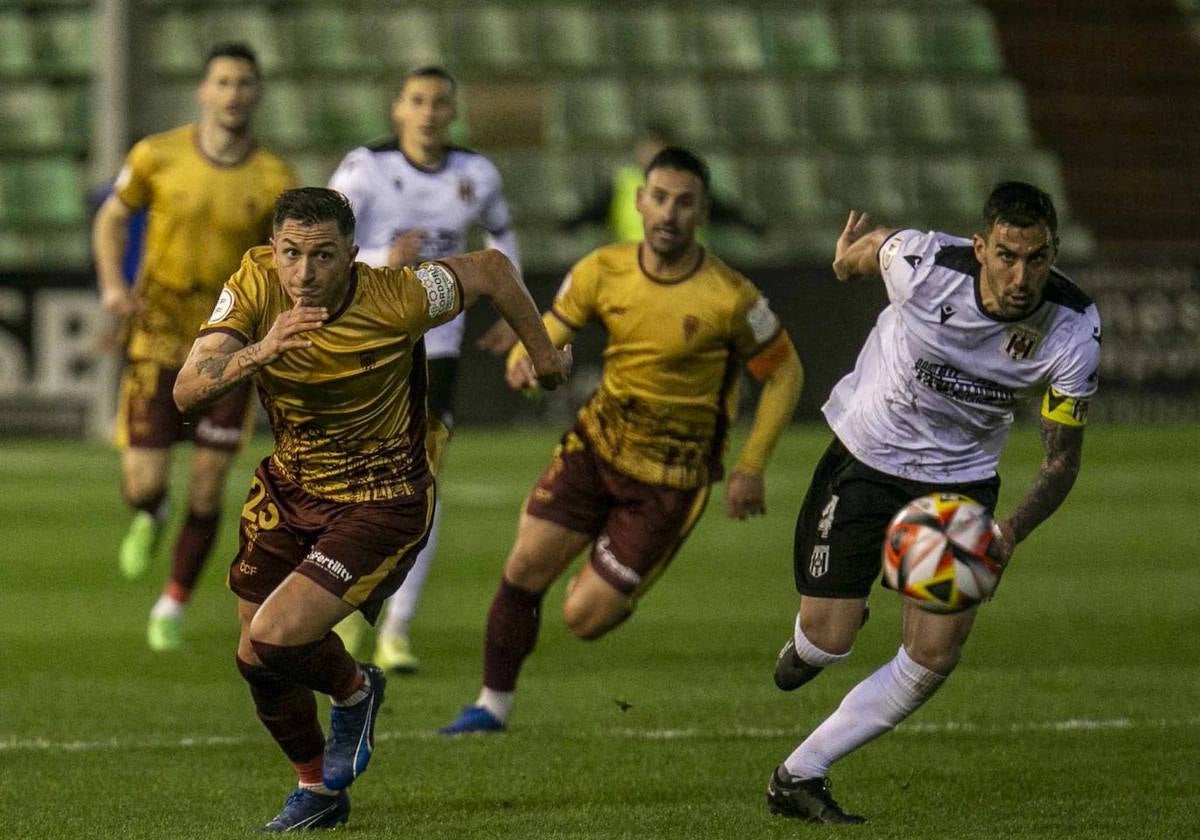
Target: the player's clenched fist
pixel 287 331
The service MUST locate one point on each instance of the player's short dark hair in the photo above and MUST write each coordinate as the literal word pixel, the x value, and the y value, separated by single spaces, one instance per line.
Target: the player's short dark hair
pixel 232 49
pixel 1020 205
pixel 313 206
pixel 677 157
pixel 429 71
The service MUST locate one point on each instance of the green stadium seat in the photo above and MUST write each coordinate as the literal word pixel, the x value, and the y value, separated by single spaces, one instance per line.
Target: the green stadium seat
pixel 961 42
pixel 756 112
pixel 788 187
pixel 41 191
pixel 282 117
pixel 495 38
pixel 407 38
pixel 545 247
pixel 730 39
pixel 164 106
pixel 1035 166
pixel 875 182
pixel 541 187
pixel 30 117
pixel 655 38
pixel 992 113
pixel 74 105
pixel 801 39
pixel 678 105
pixel 571 38
pixel 914 112
pixel 951 190
pixel 591 111
pixel 834 111
pixel 16 44
pixel 176 43
pixel 328 38
pixel 724 170
pixel 349 114
pixel 314 169
pixel 64 43
pixel 882 39
pixel 262 31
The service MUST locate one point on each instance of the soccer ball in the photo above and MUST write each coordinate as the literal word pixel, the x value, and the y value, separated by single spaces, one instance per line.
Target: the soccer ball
pixel 935 553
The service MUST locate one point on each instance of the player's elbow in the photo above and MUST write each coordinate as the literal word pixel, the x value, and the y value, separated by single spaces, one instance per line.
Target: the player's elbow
pixel 184 399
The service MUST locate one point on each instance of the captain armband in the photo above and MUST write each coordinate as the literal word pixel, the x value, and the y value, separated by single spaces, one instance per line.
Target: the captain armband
pixel 1067 411
pixel 767 360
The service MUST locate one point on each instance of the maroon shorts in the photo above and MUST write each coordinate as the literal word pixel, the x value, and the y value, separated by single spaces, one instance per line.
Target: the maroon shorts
pixel 358 551
pixel 148 418
pixel 637 527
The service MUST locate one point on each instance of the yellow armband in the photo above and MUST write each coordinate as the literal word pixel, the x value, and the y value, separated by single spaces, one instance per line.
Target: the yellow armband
pixel 1068 411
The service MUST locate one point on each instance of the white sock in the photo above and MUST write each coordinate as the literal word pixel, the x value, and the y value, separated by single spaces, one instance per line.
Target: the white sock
pixel 872 707
pixel 358 696
pixel 167 607
pixel 402 606
pixel 318 788
pixel 813 655
pixel 499 703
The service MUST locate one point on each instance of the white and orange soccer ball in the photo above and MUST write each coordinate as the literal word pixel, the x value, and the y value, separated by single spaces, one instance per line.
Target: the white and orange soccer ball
pixel 935 553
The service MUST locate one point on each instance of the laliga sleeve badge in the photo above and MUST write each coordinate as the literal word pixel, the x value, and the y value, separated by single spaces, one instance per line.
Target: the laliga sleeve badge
pixel 223 308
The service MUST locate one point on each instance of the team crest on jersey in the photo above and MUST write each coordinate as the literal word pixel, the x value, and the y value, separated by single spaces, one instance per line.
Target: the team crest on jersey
pixel 223 307
pixel 466 191
pixel 690 324
pixel 889 252
pixel 1021 343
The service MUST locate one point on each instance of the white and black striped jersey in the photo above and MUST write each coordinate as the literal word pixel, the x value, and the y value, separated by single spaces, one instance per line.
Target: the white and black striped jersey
pixel 390 194
pixel 933 393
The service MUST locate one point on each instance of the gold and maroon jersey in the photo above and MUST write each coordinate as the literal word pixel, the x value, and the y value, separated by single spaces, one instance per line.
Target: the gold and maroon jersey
pixel 668 391
pixel 348 413
pixel 203 215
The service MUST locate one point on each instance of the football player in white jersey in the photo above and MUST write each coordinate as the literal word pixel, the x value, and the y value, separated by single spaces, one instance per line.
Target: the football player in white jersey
pixel 974 329
pixel 416 198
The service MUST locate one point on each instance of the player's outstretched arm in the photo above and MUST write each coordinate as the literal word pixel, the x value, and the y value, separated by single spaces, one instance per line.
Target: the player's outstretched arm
pixel 857 249
pixel 745 491
pixel 489 274
pixel 218 361
pixel 1063 453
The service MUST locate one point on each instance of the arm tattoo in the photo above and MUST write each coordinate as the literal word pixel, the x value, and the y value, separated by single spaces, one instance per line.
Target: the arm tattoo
pixel 1063 447
pixel 214 366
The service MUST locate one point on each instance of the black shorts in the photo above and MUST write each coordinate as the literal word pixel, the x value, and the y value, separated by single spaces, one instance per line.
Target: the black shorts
pixel 838 548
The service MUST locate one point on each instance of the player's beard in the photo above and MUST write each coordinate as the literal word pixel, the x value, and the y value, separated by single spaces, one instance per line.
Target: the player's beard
pixel 678 246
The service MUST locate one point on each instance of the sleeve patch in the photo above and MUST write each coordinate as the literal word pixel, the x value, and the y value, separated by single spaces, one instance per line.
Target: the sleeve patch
pixel 440 287
pixel 1068 411
pixel 223 308
pixel 123 178
pixel 763 322
pixel 889 252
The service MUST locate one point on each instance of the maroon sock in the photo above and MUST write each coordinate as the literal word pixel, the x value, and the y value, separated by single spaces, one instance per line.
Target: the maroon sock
pixel 322 666
pixel 512 630
pixel 288 710
pixel 192 548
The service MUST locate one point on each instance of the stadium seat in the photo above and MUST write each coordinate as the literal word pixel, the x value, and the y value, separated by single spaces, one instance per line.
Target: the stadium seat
pixel 496 38
pixel 655 38
pixel 755 112
pixel 16 43
pixel 801 39
pixel 788 187
pixel 679 105
pixel 834 111
pixel 571 38
pixel 961 42
pixel 875 182
pixel 313 169
pixel 591 111
pixel 327 38
pixel 950 190
pixel 730 39
pixel 262 31
pixel 541 187
pixel 176 43
pixel 1035 166
pixel 163 106
pixel 282 118
pixel 30 117
pixel 913 112
pixel 882 39
pixel 407 38
pixel 724 170
pixel 348 114
pixel 991 113
pixel 64 43
pixel 42 191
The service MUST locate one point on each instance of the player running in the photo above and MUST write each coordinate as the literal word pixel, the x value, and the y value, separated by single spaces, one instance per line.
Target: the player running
pixel 209 189
pixel 336 515
pixel 975 328
pixel 417 198
pixel 633 475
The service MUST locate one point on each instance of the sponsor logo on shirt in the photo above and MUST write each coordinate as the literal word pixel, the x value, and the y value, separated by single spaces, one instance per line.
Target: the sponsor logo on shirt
pixel 953 383
pixel 439 288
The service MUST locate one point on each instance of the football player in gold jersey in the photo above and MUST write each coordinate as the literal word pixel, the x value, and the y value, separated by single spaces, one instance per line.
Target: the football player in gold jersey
pixel 633 475
pixel 209 190
pixel 337 514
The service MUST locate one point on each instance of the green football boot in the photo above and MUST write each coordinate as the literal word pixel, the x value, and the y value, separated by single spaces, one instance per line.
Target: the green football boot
pixel 137 549
pixel 164 634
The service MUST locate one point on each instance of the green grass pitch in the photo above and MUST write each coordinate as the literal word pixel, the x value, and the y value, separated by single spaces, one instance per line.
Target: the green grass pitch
pixel 1075 713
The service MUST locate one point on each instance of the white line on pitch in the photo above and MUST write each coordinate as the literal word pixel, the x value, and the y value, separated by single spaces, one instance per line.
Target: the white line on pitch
pixel 35 744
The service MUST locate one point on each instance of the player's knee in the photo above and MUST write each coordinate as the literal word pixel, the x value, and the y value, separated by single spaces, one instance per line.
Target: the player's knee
pixel 530 570
pixel 589 619
pixel 833 634
pixel 939 658
pixel 264 629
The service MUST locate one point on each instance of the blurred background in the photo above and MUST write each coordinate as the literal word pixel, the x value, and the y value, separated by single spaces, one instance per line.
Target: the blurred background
pixel 910 109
